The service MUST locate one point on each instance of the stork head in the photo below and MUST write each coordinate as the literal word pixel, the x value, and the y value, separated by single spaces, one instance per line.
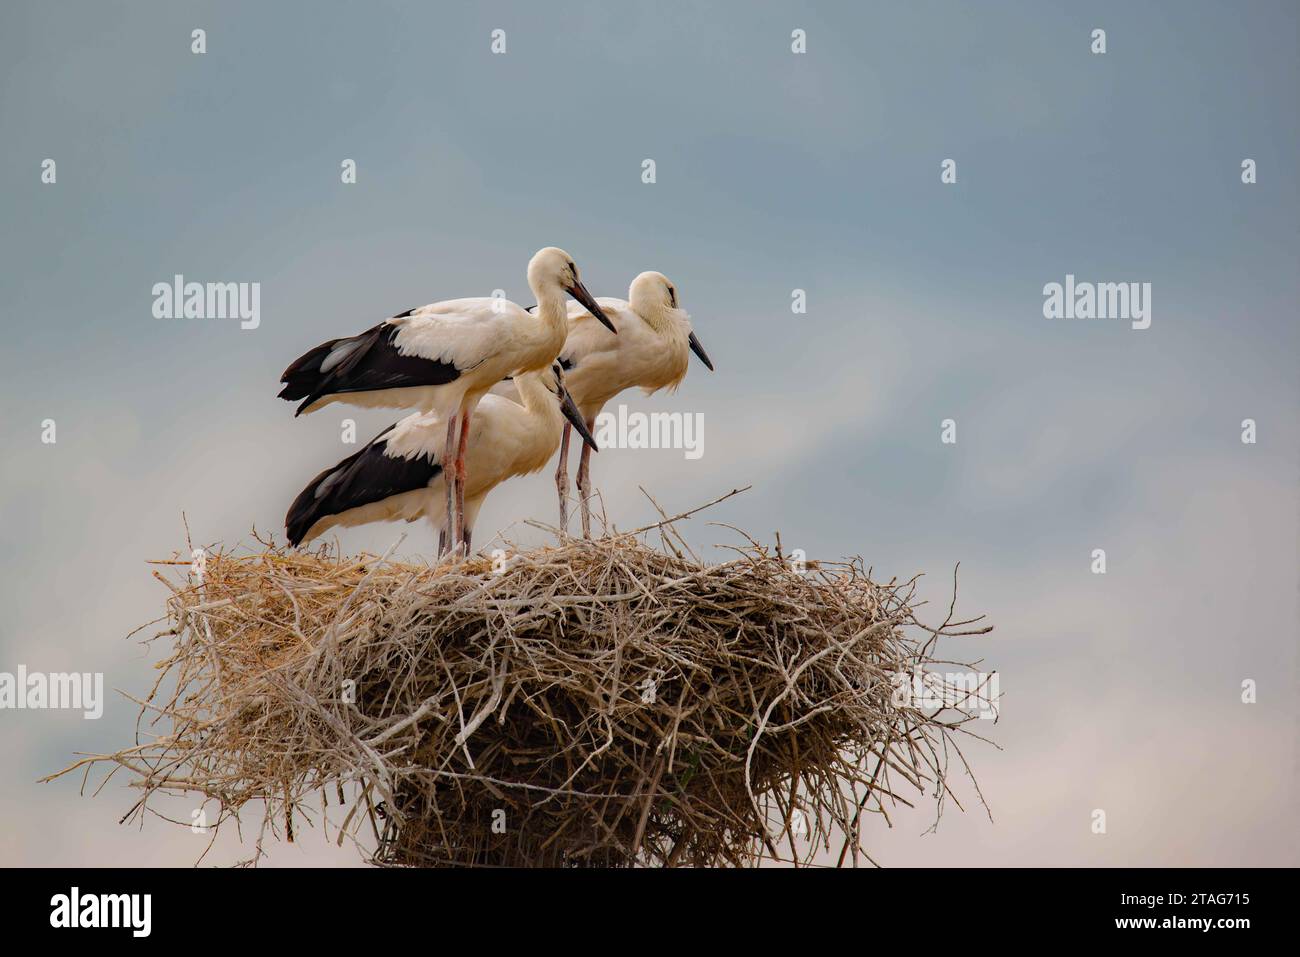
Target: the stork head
pixel 552 274
pixel 653 296
pixel 553 379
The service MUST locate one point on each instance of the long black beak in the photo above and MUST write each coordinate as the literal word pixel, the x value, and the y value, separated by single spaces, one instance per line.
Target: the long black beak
pixel 570 409
pixel 579 292
pixel 699 351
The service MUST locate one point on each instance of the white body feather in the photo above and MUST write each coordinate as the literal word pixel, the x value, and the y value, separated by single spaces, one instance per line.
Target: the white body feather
pixel 506 439
pixel 650 352
pixel 487 338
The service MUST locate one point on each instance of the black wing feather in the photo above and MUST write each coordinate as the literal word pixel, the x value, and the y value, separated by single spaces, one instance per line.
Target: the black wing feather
pixel 362 478
pixel 374 364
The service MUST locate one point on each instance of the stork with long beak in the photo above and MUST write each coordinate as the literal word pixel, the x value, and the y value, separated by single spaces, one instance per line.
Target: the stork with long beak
pixel 400 474
pixel 443 358
pixel 649 352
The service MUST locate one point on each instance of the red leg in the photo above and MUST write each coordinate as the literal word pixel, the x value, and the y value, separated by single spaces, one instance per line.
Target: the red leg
pixel 460 482
pixel 448 480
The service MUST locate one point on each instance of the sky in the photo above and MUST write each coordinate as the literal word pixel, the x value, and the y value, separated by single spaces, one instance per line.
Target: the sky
pixel 775 171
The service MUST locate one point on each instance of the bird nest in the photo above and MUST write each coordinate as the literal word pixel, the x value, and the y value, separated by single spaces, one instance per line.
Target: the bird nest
pixel 613 702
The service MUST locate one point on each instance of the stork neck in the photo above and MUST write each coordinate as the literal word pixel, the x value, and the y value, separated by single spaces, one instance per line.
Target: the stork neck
pixel 536 398
pixel 552 327
pixel 553 310
pixel 655 317
pixel 531 391
pixel 662 318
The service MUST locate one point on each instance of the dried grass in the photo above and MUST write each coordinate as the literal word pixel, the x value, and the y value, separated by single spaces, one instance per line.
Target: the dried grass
pixel 595 703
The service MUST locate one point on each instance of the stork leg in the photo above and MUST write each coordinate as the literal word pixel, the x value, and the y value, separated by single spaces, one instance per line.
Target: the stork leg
pixel 448 481
pixel 460 482
pixel 562 480
pixel 584 483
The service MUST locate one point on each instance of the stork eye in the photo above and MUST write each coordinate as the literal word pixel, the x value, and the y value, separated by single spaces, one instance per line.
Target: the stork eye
pixel 672 297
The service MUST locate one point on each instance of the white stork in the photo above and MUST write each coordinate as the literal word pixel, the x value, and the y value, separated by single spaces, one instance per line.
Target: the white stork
pixel 650 352
pixel 399 475
pixel 442 358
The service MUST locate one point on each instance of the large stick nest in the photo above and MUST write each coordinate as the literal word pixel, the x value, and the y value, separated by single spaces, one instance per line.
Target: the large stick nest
pixel 603 703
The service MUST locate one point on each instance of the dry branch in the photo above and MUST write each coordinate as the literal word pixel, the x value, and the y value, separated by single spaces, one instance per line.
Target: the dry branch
pixel 600 703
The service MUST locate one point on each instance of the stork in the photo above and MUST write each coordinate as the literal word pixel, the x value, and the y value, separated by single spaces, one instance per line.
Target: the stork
pixel 650 351
pixel 400 475
pixel 442 358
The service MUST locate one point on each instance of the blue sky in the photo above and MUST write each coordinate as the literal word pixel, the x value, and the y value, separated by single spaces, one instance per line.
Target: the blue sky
pixel 775 171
